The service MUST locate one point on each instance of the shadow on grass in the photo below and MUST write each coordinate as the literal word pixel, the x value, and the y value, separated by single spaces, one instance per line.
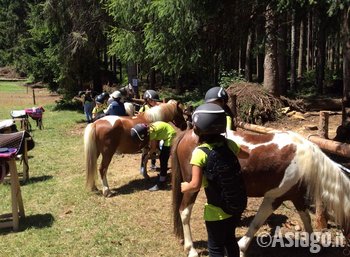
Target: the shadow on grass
pixel 33 180
pixel 137 185
pixel 273 221
pixel 82 121
pixel 36 221
pixel 201 247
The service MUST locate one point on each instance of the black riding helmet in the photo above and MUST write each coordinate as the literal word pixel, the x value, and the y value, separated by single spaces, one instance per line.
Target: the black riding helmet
pixel 139 132
pixel 104 95
pixel 209 119
pixel 151 94
pixel 99 99
pixel 216 93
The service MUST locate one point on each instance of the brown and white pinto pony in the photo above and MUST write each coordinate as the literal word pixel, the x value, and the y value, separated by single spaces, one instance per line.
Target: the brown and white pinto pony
pixel 281 166
pixel 111 134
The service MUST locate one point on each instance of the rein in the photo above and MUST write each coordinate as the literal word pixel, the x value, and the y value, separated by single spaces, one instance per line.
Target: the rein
pixel 345 170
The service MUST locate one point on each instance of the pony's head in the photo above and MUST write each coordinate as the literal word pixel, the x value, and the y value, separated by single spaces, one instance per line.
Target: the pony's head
pixel 178 119
pixel 127 91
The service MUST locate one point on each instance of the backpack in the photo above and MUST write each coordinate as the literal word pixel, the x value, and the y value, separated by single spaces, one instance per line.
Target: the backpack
pixel 226 187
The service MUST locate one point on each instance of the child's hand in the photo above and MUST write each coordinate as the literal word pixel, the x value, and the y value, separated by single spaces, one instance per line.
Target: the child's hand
pixel 184 186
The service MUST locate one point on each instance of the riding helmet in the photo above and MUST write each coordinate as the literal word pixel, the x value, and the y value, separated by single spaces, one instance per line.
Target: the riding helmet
pixel 116 94
pixel 104 95
pixel 209 119
pixel 151 94
pixel 99 99
pixel 216 93
pixel 139 131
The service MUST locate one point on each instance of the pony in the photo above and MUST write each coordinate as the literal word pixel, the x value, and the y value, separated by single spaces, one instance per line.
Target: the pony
pixel 111 134
pixel 281 166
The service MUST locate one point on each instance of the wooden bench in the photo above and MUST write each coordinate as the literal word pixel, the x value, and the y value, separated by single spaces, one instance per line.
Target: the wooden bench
pixel 12 219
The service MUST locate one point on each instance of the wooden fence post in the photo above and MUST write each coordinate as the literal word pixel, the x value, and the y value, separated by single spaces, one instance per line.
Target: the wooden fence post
pixel 321 212
pixel 323 124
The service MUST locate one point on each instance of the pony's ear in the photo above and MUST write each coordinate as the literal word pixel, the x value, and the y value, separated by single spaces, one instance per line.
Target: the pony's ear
pixel 179 105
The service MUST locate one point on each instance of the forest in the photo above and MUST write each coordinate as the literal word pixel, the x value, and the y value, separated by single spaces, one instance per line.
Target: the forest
pixel 287 46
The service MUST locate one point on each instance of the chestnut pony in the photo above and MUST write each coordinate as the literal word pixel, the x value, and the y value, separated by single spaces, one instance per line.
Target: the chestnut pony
pixel 281 166
pixel 111 134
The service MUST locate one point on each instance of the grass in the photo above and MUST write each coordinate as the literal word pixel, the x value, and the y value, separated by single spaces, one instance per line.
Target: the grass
pixel 62 218
pixel 11 87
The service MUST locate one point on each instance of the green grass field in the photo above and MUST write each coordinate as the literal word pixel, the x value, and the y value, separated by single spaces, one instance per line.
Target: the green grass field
pixel 62 218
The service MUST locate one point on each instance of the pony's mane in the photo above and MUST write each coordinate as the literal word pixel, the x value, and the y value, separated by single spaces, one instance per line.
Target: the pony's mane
pixel 163 112
pixel 325 180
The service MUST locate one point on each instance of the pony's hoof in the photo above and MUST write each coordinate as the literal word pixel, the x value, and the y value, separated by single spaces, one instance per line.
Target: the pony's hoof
pixel 107 193
pixel 193 253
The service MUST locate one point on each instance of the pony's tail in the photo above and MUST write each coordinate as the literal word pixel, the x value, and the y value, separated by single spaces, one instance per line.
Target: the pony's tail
pixel 176 179
pixel 326 182
pixel 90 155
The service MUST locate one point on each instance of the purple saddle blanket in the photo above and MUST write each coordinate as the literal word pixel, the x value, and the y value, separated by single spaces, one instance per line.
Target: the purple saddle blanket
pixel 16 140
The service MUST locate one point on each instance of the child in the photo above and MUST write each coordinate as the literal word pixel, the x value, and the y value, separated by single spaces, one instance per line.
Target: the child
pixel 97 112
pixel 88 104
pixel 209 122
pixel 151 98
pixel 218 95
pixel 116 106
pixel 158 130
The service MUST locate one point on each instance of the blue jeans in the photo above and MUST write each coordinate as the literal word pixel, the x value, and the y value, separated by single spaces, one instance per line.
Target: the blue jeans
pixel 221 237
pixel 88 106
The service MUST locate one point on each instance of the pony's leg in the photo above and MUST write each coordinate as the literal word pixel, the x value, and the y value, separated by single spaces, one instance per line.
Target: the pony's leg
pixel 299 203
pixel 144 160
pixel 185 213
pixel 320 215
pixel 266 208
pixel 106 159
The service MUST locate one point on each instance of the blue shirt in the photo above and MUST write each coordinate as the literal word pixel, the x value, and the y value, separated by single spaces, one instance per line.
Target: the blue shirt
pixel 116 108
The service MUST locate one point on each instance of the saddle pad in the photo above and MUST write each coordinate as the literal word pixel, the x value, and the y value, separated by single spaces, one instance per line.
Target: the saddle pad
pixel 7 152
pixel 35 112
pixel 6 123
pixel 18 114
pixel 15 140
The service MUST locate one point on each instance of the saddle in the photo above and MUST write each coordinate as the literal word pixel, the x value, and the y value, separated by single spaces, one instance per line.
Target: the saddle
pixel 8 126
pixel 16 140
pixel 11 145
pixel 18 114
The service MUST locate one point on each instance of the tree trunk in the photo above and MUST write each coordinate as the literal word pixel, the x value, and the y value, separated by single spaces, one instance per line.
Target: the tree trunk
pixel 270 63
pixel 152 79
pixel 248 71
pixel 301 50
pixel 260 53
pixel 282 55
pixel 309 48
pixel 293 48
pixel 321 49
pixel 346 66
